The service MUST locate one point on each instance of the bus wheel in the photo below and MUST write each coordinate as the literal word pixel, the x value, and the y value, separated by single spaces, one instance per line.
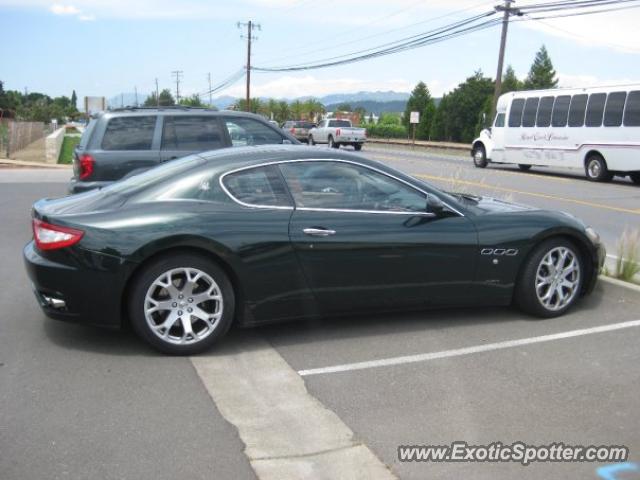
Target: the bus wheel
pixel 524 167
pixel 596 168
pixel 479 156
pixel 635 177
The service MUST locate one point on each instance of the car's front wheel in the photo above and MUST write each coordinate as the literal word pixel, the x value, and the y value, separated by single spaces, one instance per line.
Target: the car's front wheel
pixel 524 167
pixel 181 304
pixel 596 169
pixel 479 156
pixel 551 280
pixel 311 141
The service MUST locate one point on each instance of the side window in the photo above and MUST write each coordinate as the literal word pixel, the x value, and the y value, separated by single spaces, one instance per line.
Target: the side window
pixel 191 133
pixel 560 111
pixel 577 110
pixel 544 112
pixel 246 131
pixel 530 110
pixel 499 120
pixel 344 186
pixel 515 114
pixel 595 109
pixel 632 110
pixel 129 133
pixel 613 110
pixel 260 186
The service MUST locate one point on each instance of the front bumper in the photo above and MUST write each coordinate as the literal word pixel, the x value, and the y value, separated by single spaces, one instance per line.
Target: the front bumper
pixel 599 258
pixel 81 286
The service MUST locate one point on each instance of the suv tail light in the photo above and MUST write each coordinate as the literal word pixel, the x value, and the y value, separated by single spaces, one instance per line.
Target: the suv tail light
pixel 337 132
pixel 52 237
pixel 86 166
pixel 293 130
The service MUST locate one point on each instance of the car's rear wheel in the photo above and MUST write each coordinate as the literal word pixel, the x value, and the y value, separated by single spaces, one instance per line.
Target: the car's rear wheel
pixel 524 167
pixel 635 177
pixel 311 141
pixel 332 143
pixel 596 168
pixel 479 156
pixel 357 147
pixel 181 304
pixel 551 280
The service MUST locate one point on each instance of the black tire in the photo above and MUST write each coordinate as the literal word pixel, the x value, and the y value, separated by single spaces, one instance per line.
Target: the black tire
pixel 595 168
pixel 145 280
pixel 524 167
pixel 526 296
pixel 479 156
pixel 635 177
pixel 310 141
pixel 332 144
pixel 357 147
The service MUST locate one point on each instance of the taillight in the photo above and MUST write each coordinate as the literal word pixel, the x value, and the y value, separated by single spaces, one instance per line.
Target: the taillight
pixel 293 130
pixel 52 237
pixel 337 132
pixel 86 166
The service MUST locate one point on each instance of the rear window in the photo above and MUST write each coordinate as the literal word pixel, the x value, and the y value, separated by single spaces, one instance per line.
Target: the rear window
pixel 247 131
pixel 339 123
pixel 191 133
pixel 86 135
pixel 261 186
pixel 304 125
pixel 129 133
pixel 632 110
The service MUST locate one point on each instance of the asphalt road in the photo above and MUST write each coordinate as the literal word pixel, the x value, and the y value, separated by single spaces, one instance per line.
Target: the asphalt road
pixel 78 402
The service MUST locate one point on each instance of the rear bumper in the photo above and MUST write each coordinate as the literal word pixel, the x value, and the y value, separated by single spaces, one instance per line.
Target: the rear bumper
pixel 77 186
pixel 347 139
pixel 86 287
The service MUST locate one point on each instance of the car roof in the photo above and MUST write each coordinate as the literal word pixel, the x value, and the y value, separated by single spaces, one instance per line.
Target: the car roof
pixel 175 110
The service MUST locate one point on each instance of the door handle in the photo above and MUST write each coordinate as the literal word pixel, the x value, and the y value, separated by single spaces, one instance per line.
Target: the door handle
pixel 318 232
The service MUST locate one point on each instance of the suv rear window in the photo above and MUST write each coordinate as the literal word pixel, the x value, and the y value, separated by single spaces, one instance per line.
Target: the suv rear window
pixel 339 123
pixel 129 133
pixel 304 125
pixel 195 133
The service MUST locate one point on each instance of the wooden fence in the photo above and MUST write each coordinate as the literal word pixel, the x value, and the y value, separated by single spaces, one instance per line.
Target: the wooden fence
pixel 16 135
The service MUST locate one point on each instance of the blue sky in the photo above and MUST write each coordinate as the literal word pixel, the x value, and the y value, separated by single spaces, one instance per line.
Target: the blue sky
pixel 104 47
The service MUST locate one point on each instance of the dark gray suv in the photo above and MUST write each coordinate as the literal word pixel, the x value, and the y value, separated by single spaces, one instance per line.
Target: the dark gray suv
pixel 122 142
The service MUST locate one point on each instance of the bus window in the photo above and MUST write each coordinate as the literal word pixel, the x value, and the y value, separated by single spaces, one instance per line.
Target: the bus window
pixel 530 110
pixel 595 109
pixel 499 120
pixel 515 115
pixel 560 111
pixel 632 110
pixel 614 108
pixel 577 109
pixel 544 112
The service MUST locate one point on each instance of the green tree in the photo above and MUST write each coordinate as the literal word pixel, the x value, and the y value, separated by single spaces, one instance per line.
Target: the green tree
pixel 192 101
pixel 255 105
pixel 344 107
pixel 166 99
pixel 510 82
pixel 74 100
pixel 422 102
pixel 297 109
pixel 439 122
pixel 282 112
pixel 542 74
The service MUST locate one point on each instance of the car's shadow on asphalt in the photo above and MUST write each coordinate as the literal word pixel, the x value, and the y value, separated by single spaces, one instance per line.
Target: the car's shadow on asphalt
pixel 357 327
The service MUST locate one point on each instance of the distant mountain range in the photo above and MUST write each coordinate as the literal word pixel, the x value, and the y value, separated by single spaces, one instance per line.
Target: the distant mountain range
pixel 375 102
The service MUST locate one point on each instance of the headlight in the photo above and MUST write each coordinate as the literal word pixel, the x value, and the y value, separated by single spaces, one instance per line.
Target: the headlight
pixel 593 235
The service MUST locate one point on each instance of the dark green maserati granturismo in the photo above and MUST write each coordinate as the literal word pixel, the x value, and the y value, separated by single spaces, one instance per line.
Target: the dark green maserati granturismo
pixel 263 234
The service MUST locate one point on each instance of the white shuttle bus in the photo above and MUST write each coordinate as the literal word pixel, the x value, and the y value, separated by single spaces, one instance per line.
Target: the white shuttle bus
pixel 596 129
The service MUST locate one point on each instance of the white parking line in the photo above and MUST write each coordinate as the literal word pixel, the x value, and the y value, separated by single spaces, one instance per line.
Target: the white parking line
pixel 424 357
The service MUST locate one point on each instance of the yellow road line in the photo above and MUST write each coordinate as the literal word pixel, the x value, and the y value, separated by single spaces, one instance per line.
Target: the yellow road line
pixel 504 172
pixel 532 194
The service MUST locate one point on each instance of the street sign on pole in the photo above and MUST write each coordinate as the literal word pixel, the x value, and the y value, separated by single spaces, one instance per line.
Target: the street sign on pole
pixel 414 117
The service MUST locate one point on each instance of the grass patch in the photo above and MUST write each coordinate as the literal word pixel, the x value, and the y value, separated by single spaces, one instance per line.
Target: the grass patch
pixel 628 261
pixel 69 130
pixel 66 152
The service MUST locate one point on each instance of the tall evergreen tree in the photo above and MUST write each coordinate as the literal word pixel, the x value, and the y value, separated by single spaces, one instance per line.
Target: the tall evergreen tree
pixel 74 100
pixel 510 82
pixel 542 74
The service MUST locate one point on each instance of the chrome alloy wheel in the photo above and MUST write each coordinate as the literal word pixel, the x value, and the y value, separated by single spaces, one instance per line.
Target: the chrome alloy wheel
pixel 558 278
pixel 183 306
pixel 594 168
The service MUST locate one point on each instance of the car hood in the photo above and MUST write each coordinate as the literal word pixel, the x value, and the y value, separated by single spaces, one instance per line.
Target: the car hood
pixel 486 205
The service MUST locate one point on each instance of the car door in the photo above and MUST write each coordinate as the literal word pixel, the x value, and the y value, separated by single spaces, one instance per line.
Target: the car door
pixel 183 135
pixel 366 242
pixel 128 143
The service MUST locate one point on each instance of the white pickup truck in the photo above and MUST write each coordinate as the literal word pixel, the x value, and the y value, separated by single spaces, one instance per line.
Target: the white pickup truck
pixel 338 132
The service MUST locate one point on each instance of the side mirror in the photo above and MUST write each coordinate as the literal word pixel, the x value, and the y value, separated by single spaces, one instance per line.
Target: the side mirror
pixel 434 205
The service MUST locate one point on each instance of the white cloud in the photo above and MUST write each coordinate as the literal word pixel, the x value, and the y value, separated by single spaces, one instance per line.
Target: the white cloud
pixel 294 86
pixel 60 9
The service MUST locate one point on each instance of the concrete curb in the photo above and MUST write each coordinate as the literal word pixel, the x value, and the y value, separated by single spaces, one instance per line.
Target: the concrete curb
pixel 22 163
pixel 421 144
pixel 620 283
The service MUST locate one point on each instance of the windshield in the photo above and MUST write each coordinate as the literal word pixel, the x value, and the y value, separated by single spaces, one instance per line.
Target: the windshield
pixel 173 168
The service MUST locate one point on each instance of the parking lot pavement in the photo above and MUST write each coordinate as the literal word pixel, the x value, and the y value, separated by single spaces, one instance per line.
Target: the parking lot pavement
pixel 580 390
pixel 77 402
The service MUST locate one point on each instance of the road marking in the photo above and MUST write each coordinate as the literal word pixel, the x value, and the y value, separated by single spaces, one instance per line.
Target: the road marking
pixel 424 357
pixel 287 432
pixel 533 194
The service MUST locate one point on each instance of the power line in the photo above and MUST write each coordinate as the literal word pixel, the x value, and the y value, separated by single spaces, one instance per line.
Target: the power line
pixel 178 75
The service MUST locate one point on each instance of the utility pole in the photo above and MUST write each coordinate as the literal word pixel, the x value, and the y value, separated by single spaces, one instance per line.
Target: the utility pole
pixel 122 100
pixel 135 89
pixel 210 99
pixel 508 10
pixel 157 94
pixel 250 37
pixel 178 75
